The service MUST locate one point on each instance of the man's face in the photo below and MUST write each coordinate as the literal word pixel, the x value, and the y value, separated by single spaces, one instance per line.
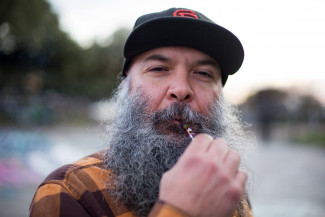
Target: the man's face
pixel 176 74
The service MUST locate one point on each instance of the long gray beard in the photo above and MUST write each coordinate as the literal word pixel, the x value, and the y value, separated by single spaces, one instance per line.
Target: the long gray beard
pixel 143 146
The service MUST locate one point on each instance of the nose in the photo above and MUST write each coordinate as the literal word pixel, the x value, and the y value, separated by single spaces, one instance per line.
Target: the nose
pixel 180 89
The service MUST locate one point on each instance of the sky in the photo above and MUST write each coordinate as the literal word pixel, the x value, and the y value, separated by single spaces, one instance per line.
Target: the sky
pixel 284 40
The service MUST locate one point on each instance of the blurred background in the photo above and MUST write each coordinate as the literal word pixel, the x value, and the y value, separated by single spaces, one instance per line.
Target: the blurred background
pixel 59 62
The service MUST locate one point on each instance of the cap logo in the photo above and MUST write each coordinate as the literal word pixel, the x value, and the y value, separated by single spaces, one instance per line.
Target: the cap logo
pixel 185 13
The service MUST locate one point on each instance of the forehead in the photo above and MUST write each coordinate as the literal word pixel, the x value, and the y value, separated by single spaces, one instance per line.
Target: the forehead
pixel 174 54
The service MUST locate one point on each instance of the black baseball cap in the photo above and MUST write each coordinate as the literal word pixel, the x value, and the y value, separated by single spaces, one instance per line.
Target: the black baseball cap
pixel 184 27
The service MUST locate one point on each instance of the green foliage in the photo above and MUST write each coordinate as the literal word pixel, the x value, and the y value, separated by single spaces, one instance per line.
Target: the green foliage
pixel 36 56
pixel 310 138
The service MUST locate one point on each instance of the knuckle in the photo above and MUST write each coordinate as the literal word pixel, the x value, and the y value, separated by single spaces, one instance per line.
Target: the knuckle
pixel 207 165
pixel 211 166
pixel 203 136
pixel 193 160
pixel 221 141
pixel 224 177
pixel 202 139
pixel 235 156
pixel 235 191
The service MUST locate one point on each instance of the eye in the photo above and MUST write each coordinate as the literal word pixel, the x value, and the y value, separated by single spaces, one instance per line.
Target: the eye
pixel 158 69
pixel 204 74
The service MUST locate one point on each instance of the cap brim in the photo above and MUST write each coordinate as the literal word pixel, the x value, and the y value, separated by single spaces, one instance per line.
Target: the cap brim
pixel 212 39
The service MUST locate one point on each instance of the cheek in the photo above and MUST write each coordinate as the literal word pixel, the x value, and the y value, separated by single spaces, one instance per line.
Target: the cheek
pixel 216 92
pixel 153 89
pixel 153 92
pixel 158 100
pixel 206 97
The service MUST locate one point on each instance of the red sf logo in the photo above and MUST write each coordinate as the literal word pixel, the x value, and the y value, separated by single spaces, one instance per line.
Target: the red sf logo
pixel 185 13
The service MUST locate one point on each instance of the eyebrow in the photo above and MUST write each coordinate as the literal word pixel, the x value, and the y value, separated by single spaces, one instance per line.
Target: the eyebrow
pixel 208 62
pixel 201 62
pixel 158 57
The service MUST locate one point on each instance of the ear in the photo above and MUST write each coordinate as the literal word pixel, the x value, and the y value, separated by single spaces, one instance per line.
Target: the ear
pixel 127 72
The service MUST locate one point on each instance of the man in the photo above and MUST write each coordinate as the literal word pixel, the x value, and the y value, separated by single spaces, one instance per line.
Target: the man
pixel 176 63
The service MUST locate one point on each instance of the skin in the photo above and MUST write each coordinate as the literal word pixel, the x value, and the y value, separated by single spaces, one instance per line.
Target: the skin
pixel 176 74
pixel 206 180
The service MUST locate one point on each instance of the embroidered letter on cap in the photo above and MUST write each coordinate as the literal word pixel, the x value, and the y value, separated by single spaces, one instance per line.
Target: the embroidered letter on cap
pixel 185 13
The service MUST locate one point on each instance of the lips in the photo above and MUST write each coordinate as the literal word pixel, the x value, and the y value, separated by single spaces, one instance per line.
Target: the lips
pixel 177 121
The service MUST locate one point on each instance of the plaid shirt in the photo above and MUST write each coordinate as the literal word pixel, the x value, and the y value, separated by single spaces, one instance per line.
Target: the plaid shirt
pixel 79 189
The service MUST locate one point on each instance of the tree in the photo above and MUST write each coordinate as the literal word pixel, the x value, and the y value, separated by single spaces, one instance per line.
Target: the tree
pixel 37 59
pixel 33 45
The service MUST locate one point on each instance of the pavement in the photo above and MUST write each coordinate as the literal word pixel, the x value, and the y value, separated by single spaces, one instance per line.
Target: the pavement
pixel 286 179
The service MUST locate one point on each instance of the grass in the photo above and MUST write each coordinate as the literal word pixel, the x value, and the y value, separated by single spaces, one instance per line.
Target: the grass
pixel 310 138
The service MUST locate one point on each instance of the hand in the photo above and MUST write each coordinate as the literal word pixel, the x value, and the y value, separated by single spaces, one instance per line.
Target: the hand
pixel 206 180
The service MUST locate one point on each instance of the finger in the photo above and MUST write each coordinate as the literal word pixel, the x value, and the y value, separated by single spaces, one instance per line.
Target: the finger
pixel 241 177
pixel 199 144
pixel 236 189
pixel 231 162
pixel 218 149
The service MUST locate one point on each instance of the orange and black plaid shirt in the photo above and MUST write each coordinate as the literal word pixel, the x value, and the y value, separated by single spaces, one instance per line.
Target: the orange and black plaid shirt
pixel 80 189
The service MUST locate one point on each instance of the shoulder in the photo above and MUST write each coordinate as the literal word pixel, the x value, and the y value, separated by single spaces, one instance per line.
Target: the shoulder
pixel 77 177
pixel 77 187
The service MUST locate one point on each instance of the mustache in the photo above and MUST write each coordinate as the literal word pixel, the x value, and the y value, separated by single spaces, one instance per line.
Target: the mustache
pixel 182 113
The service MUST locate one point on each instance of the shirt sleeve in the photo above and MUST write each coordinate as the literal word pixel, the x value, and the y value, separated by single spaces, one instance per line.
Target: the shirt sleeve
pixel 162 209
pixel 53 200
